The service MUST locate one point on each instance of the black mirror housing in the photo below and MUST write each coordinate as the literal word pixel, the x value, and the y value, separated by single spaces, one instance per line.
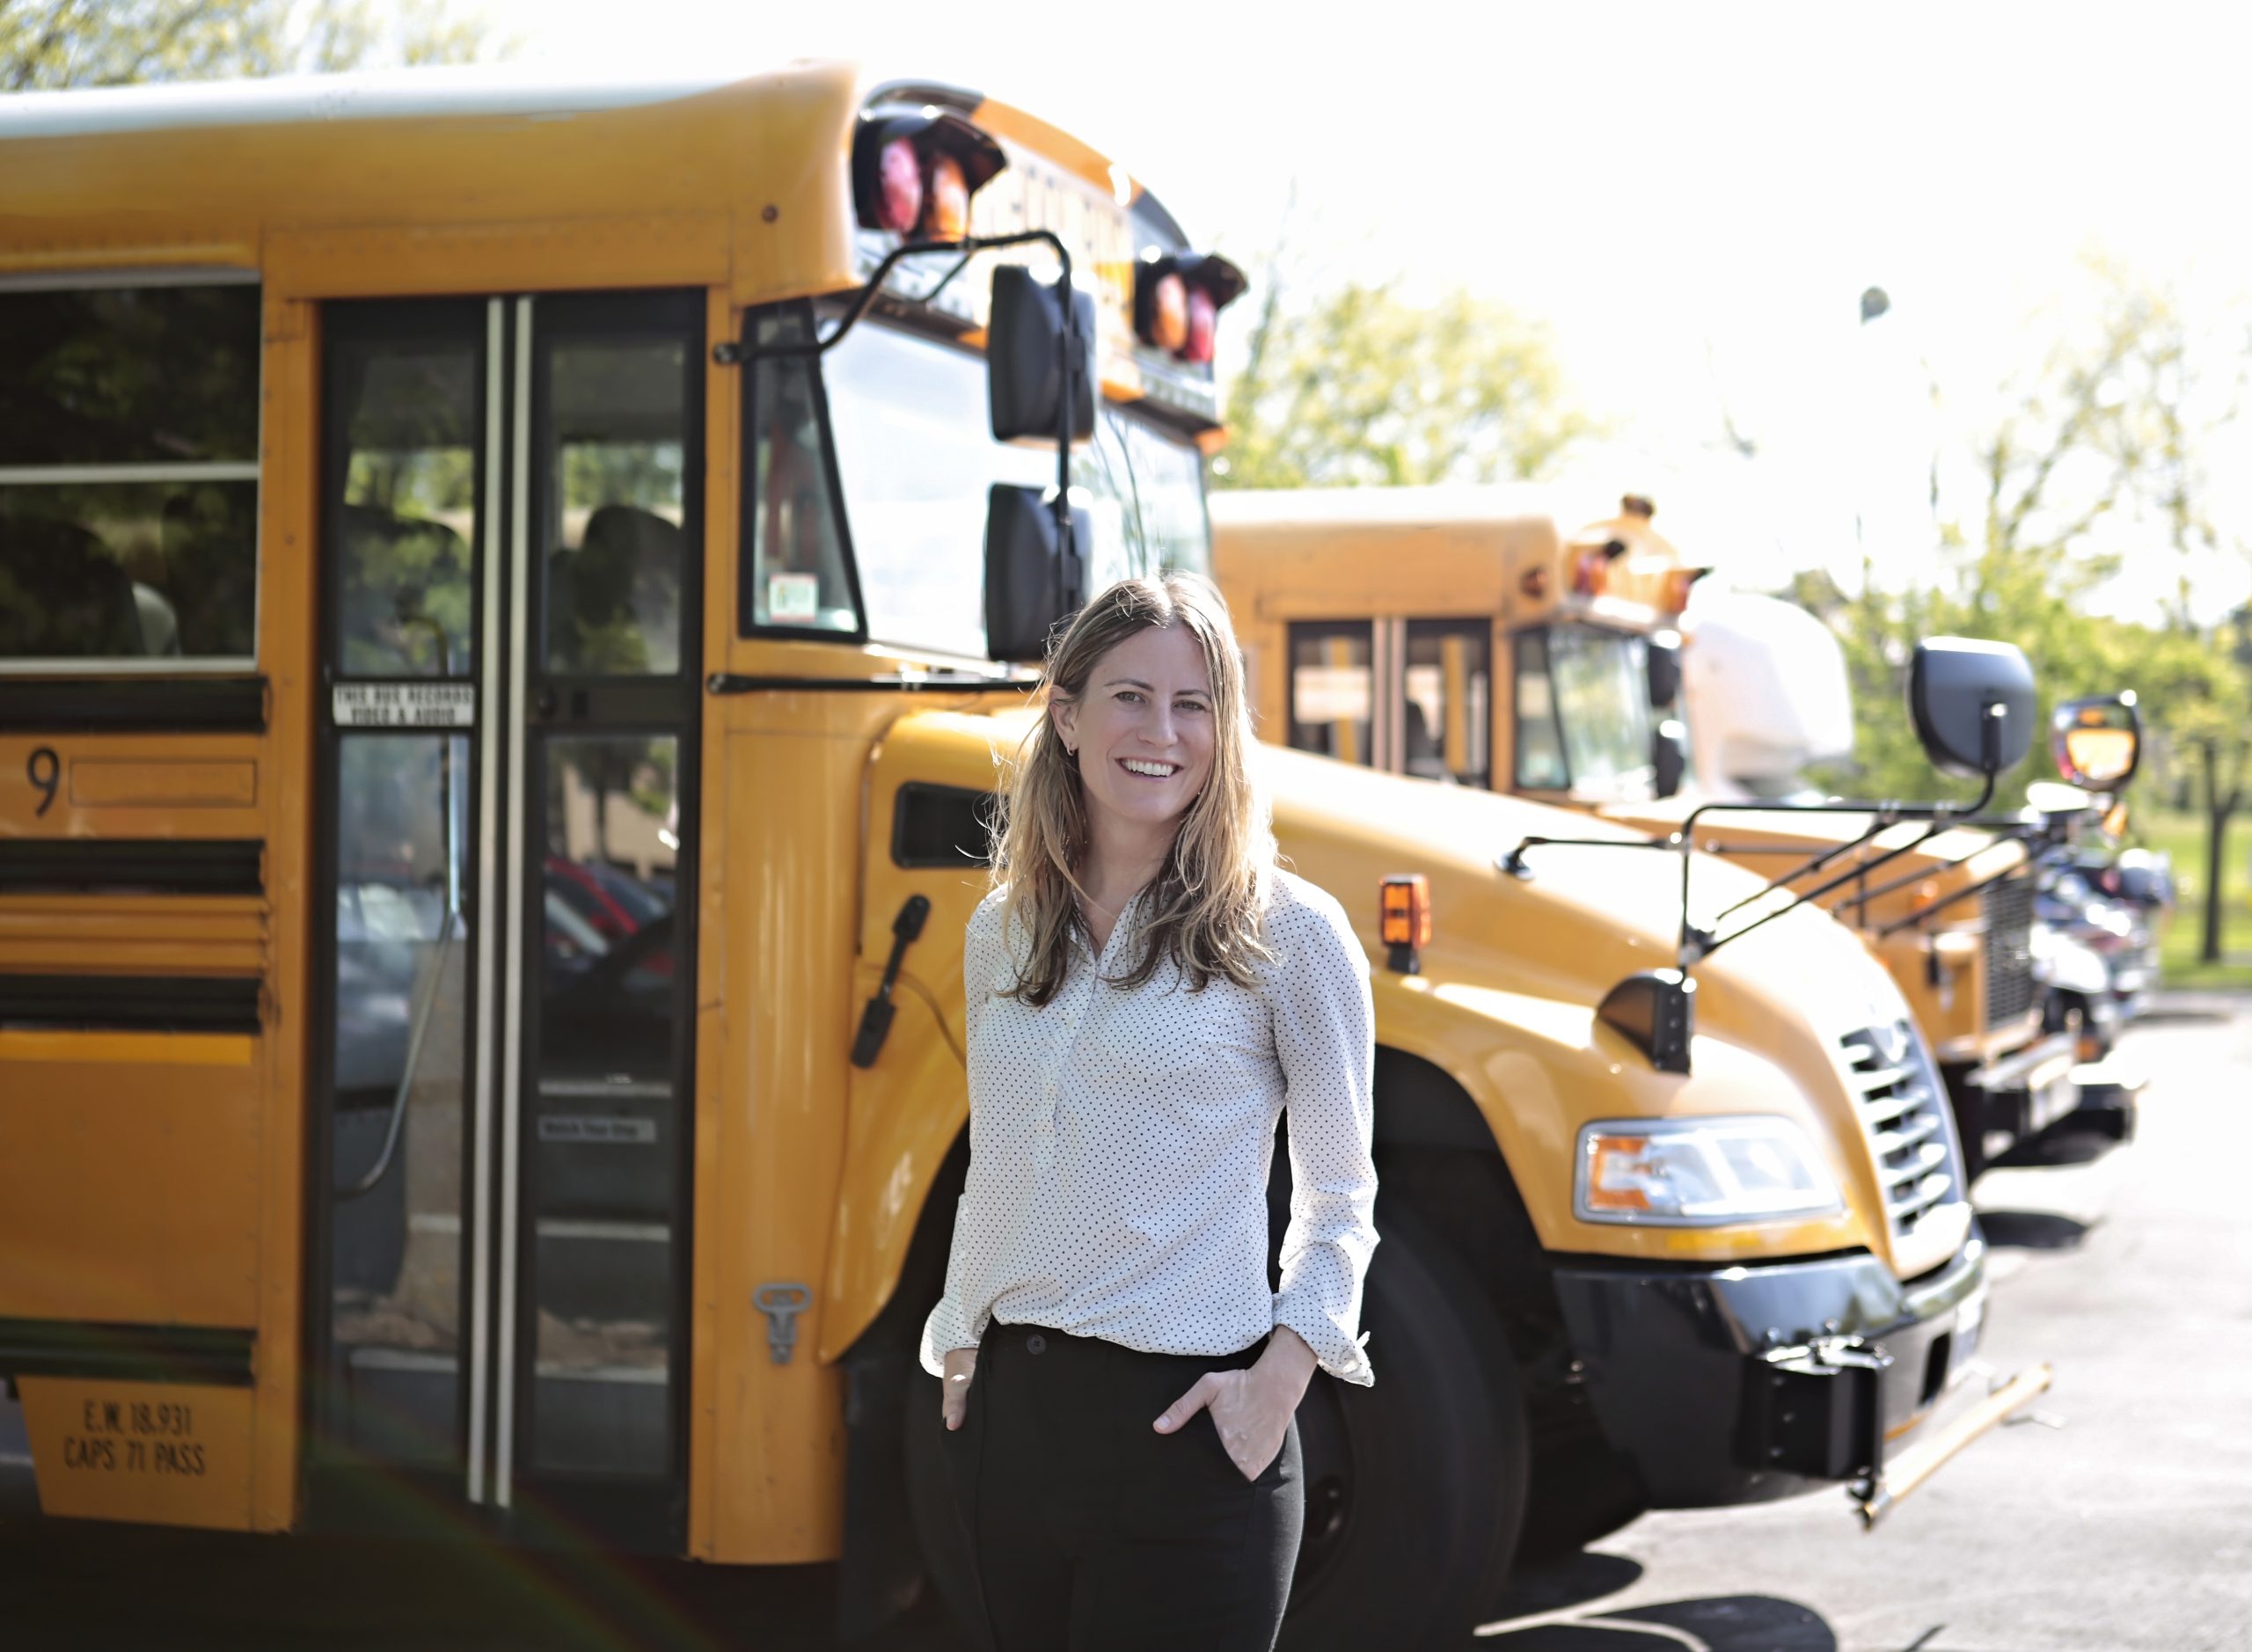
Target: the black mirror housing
pixel 1032 583
pixel 1656 1011
pixel 1663 662
pixel 1972 702
pixel 1024 357
pixel 1668 757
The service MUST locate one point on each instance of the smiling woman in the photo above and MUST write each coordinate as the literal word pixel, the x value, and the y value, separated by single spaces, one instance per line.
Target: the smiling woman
pixel 1146 992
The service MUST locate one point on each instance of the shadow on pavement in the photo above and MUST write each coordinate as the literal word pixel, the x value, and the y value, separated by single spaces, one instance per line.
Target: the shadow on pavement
pixel 2032 1230
pixel 1571 1579
pixel 2058 1146
pixel 199 1590
pixel 1720 1623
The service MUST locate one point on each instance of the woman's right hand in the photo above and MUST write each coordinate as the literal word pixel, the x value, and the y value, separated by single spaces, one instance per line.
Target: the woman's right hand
pixel 958 1366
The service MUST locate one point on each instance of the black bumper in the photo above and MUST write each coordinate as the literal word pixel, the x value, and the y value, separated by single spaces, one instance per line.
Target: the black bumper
pixel 1738 1384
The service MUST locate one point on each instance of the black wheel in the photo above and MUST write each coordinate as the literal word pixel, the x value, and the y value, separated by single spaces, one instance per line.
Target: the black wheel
pixel 1414 1486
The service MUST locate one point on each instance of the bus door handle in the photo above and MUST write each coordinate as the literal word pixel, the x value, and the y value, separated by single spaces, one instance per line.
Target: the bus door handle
pixel 875 1017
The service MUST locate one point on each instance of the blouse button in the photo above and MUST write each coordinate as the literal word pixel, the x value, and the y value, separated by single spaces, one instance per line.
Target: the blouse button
pixel 1036 1343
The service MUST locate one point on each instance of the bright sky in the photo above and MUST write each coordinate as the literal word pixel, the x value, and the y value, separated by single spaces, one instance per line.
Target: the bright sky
pixel 1693 196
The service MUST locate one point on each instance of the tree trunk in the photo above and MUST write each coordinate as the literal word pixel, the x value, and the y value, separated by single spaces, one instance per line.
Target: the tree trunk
pixel 2218 808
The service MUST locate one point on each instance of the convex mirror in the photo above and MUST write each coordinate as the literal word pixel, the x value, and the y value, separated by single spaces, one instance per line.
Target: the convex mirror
pixel 2097 742
pixel 1973 704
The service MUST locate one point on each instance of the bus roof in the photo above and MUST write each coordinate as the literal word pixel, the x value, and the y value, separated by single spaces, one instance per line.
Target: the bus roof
pixel 691 180
pixel 1453 505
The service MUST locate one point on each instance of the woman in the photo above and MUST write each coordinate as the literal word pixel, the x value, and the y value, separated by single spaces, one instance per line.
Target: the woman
pixel 1146 992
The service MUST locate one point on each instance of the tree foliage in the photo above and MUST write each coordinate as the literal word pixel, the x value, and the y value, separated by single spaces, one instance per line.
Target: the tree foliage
pixel 2104 445
pixel 57 45
pixel 1364 385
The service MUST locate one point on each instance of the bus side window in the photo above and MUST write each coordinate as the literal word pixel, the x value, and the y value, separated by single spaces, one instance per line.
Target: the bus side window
pixel 1447 701
pixel 1540 747
pixel 796 577
pixel 1332 689
pixel 128 445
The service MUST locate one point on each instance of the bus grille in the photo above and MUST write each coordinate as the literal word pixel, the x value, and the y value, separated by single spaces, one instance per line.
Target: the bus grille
pixel 1904 1105
pixel 2008 910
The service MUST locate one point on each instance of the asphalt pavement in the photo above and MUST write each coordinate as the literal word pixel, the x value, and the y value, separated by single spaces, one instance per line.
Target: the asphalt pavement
pixel 2117 1518
pixel 2120 1520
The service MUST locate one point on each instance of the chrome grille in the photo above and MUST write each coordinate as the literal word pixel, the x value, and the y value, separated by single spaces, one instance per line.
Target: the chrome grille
pixel 2008 910
pixel 1904 1105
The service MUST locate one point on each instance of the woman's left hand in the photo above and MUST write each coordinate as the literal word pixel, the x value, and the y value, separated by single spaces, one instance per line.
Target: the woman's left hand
pixel 1251 1409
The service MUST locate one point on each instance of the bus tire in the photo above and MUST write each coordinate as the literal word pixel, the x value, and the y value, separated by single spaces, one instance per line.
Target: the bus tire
pixel 1416 1487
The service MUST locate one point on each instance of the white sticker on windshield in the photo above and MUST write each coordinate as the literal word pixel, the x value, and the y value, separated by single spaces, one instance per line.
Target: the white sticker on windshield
pixel 793 599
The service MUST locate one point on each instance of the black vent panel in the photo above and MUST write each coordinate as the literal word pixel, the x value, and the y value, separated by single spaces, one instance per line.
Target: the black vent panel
pixel 2008 912
pixel 1904 1105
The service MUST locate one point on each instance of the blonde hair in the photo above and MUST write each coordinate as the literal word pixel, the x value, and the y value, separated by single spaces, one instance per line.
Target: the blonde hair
pixel 1203 909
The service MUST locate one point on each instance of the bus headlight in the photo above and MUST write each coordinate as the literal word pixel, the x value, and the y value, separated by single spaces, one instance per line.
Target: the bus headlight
pixel 1699 1173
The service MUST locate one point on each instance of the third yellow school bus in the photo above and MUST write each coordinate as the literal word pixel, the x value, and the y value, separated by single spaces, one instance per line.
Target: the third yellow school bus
pixel 499 713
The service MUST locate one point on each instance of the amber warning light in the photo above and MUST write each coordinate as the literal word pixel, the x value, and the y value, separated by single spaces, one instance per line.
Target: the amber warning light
pixel 1405 904
pixel 914 174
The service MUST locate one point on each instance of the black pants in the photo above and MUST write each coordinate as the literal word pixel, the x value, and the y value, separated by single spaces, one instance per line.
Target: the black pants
pixel 1089 1530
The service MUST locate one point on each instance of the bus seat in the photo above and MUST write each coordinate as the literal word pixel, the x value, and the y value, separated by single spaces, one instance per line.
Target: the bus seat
pixel 624 592
pixel 62 594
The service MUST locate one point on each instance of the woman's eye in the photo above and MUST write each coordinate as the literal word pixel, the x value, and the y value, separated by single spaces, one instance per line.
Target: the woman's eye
pixel 1129 694
pixel 1191 705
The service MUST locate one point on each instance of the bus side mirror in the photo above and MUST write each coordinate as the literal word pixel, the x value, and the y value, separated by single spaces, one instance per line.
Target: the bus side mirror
pixel 1662 659
pixel 1669 760
pixel 1972 702
pixel 1026 336
pixel 2097 743
pixel 1032 583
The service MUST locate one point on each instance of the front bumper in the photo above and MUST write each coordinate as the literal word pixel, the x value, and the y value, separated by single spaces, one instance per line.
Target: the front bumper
pixel 1737 1384
pixel 2020 1094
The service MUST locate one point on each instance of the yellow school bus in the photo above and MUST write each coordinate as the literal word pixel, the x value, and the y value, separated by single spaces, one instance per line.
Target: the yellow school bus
pixel 1477 635
pixel 511 602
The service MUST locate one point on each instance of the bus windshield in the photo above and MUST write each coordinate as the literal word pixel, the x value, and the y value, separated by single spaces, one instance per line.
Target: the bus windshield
pixel 1602 701
pixel 916 455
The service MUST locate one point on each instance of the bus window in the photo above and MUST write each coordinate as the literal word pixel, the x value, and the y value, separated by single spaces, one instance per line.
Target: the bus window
pixel 1331 690
pixel 1540 747
pixel 1448 701
pixel 798 579
pixel 129 475
pixel 407 505
pixel 1603 705
pixel 617 498
pixel 915 449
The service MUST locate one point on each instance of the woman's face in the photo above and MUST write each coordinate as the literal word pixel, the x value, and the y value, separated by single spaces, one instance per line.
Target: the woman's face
pixel 1143 727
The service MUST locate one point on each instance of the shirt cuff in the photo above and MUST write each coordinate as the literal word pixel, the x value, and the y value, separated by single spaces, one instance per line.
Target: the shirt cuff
pixel 945 1330
pixel 1341 1354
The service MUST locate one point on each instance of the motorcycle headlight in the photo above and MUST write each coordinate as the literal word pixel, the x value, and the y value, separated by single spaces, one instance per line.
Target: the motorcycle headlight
pixel 1699 1173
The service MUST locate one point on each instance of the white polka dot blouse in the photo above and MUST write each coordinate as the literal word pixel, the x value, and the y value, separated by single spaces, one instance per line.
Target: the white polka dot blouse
pixel 1120 1140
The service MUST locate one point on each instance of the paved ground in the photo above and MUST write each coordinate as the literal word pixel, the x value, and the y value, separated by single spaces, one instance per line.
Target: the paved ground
pixel 2129 1528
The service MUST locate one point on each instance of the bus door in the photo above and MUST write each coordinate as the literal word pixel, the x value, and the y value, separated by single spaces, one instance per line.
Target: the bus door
pixel 510 554
pixel 1410 695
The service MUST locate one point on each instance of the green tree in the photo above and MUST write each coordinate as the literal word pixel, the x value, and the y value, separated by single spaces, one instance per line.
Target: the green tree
pixel 54 45
pixel 2106 440
pixel 1361 385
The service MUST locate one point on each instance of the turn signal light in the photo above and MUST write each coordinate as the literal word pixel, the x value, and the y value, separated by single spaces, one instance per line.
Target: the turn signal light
pixel 1178 297
pixel 914 174
pixel 1404 904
